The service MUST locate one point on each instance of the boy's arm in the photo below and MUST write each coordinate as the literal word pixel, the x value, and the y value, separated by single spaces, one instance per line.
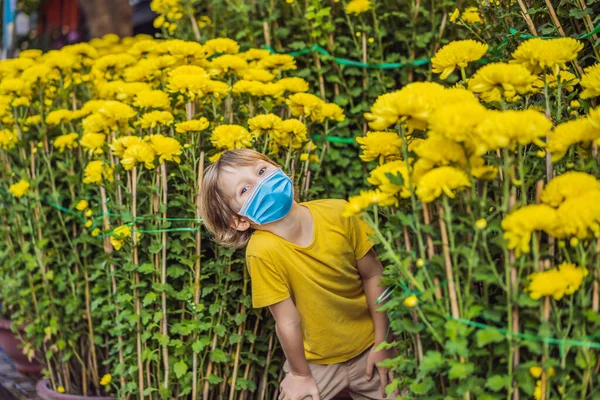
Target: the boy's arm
pixel 289 332
pixel 370 271
pixel 299 383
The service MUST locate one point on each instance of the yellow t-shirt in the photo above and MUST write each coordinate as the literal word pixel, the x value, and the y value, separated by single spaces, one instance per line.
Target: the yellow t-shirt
pixel 322 280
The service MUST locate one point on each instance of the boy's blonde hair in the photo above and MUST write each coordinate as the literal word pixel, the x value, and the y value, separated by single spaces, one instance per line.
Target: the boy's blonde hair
pixel 215 205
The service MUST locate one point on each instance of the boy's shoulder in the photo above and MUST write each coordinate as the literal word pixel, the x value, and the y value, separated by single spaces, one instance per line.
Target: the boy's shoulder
pixel 333 206
pixel 259 244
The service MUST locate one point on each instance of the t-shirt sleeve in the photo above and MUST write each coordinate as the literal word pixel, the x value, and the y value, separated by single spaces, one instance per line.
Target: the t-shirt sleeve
pixel 360 234
pixel 268 287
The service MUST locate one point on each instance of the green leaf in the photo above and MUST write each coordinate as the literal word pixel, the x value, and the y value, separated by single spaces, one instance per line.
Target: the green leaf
pixel 218 355
pixel 149 298
pixel 180 368
pixel 460 370
pixel 213 379
pixel 200 344
pixel 488 335
pixel 422 387
pixel 497 382
pixel 146 268
pixel 432 361
pixel 579 14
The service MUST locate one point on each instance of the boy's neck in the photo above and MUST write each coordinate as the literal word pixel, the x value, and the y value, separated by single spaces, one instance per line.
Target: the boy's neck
pixel 297 227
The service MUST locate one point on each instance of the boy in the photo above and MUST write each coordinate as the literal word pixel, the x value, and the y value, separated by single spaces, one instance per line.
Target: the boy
pixel 315 270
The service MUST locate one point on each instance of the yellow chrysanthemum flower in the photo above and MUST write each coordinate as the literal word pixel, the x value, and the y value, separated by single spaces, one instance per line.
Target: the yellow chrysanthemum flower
pixel 152 99
pixel 567 80
pixel 568 133
pixel 191 86
pixel 358 7
pixel 590 82
pixel 265 124
pixel 553 54
pixel 306 105
pixel 186 51
pixel 277 62
pixel 496 81
pixel 167 149
pixel 227 62
pixel 63 142
pixel 121 144
pixel 471 15
pixel 439 151
pixel 506 129
pixel 579 216
pixel 333 111
pixel 567 185
pixel 106 379
pixel 194 125
pixel 221 45
pixel 97 171
pixel 93 142
pixel 19 189
pixel 119 235
pixel 413 104
pixel 231 137
pixel 257 74
pixel 457 54
pixel 380 145
pixel 82 205
pixel 521 223
pixel 295 131
pixel 254 54
pixel 379 177
pixel 33 120
pixel 366 199
pixel 140 152
pixel 60 389
pixel 58 117
pixel 8 139
pixel 441 180
pixel 155 118
pixel 566 279
pixel 294 84
pixel 455 15
pixel 457 121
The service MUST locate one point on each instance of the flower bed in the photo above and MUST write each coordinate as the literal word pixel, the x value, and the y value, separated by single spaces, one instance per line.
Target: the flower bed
pixel 484 205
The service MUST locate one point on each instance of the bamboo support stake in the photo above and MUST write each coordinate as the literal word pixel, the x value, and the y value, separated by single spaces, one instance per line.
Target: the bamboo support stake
pixel 413 312
pixel 527 18
pixel 236 363
pixel 137 282
pixel 448 264
pixel 431 251
pixel 588 20
pixel 197 272
pixel 247 371
pixel 320 74
pixel 163 275
pixel 264 381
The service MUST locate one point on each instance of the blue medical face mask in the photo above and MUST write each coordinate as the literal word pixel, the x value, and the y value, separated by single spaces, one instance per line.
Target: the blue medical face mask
pixel 270 200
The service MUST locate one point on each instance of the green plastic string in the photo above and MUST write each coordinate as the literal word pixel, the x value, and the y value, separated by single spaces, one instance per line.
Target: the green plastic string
pixel 343 61
pixel 526 336
pixel 527 36
pixel 336 139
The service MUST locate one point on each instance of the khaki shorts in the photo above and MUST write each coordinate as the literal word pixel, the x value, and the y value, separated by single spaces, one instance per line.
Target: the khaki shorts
pixel 349 375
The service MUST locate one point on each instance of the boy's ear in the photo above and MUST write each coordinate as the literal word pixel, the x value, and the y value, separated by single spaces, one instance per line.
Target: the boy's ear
pixel 240 223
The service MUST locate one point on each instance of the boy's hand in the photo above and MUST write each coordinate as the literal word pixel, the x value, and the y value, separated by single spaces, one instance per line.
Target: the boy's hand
pixel 385 375
pixel 296 387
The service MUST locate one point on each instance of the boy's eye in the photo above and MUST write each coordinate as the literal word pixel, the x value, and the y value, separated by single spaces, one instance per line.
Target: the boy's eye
pixel 262 171
pixel 244 190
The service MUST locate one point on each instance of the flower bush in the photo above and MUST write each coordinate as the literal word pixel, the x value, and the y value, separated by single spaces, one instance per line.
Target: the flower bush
pixel 482 173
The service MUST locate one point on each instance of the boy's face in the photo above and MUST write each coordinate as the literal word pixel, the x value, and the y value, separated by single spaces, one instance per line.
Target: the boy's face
pixel 238 183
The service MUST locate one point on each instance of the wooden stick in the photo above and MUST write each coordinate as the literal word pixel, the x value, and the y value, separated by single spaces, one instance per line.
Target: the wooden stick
pixel 163 275
pixel 236 363
pixel 197 272
pixel 431 251
pixel 448 264
pixel 137 282
pixel 527 18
